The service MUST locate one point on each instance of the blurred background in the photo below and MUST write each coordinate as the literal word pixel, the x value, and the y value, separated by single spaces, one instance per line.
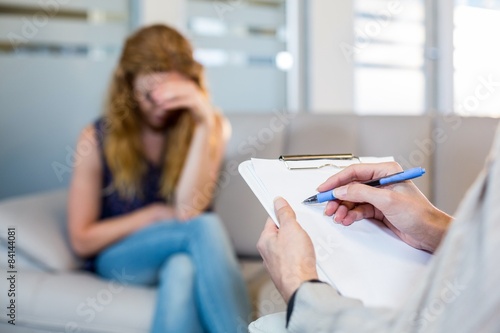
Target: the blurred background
pixel 366 57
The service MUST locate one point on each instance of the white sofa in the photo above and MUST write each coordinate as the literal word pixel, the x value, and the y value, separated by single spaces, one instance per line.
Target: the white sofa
pixel 53 295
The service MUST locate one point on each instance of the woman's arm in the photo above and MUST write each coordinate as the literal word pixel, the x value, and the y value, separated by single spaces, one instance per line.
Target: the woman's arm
pixel 199 177
pixel 89 236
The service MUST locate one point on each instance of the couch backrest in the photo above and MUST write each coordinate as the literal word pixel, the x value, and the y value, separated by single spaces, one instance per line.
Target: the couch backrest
pixel 252 136
pixel 459 156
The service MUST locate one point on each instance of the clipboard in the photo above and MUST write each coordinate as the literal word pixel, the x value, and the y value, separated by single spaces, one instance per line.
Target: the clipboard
pixel 366 260
pixel 287 159
pixel 306 162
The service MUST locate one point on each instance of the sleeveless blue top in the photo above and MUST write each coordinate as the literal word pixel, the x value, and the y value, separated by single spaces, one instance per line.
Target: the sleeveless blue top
pixel 112 203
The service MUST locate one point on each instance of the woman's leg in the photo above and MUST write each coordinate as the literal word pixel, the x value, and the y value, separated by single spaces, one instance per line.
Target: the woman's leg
pixel 139 257
pixel 221 291
pixel 176 309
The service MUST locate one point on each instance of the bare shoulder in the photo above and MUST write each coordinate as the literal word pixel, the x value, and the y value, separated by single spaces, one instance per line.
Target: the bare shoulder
pixel 88 134
pixel 87 148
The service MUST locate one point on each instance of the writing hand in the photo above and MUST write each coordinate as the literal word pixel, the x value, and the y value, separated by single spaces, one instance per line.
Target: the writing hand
pixel 401 206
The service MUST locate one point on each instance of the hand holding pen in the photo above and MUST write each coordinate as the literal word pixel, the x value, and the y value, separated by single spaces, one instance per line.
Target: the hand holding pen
pixel 400 205
pixel 386 180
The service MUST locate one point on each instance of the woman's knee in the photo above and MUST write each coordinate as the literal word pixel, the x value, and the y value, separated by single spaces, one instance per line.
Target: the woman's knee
pixel 208 224
pixel 210 237
pixel 178 267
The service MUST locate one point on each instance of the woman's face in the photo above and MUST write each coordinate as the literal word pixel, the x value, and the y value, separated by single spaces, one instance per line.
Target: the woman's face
pixel 153 112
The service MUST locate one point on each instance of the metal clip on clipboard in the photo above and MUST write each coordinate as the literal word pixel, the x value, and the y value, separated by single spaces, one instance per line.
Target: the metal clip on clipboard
pixel 289 158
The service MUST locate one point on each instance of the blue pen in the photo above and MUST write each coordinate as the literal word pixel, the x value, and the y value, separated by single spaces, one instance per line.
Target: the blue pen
pixel 391 179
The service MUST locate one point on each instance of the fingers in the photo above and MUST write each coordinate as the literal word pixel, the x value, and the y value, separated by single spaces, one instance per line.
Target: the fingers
pixel 164 85
pixel 360 212
pixel 331 207
pixel 170 89
pixel 347 211
pixel 176 102
pixel 284 212
pixel 359 172
pixel 189 97
pixel 166 93
pixel 379 197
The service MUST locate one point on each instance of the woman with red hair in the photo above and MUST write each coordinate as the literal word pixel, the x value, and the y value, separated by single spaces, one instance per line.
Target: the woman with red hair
pixel 140 197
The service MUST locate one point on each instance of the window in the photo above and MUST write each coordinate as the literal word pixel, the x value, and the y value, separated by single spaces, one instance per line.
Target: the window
pixel 476 57
pixel 242 45
pixel 389 61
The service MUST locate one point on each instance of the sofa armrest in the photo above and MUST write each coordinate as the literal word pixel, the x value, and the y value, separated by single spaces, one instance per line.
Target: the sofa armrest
pixel 41 230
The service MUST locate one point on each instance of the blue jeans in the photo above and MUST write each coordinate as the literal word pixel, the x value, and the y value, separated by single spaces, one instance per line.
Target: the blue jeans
pixel 200 288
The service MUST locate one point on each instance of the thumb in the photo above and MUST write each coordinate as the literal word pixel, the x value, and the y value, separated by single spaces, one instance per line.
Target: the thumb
pixel 284 212
pixel 359 193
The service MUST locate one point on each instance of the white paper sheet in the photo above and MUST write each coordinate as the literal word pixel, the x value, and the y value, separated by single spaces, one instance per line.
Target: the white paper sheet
pixel 366 260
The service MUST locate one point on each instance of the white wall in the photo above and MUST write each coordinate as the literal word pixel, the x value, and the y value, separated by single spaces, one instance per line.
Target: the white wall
pixel 330 72
pixel 171 12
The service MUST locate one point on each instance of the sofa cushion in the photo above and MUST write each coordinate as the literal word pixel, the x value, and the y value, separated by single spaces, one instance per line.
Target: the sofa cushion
pixel 22 261
pixel 80 302
pixel 41 230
